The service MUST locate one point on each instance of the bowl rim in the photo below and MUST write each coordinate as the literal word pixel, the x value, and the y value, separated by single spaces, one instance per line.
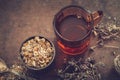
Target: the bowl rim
pixel 115 64
pixel 32 68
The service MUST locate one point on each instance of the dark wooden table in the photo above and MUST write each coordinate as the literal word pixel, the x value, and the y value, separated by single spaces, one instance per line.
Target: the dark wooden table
pixel 20 20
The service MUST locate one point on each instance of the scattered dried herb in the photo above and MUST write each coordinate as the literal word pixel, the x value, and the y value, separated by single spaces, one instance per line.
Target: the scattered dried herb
pixel 77 70
pixel 107 31
pixel 3 67
pixel 13 73
pixel 117 63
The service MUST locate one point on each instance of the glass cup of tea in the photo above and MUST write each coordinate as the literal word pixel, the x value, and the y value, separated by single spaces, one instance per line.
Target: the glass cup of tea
pixel 73 26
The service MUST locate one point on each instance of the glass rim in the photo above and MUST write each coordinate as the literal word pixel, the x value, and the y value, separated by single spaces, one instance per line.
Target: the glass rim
pixel 74 6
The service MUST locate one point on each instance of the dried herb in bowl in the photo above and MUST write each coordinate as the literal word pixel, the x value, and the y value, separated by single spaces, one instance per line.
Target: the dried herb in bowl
pixel 37 52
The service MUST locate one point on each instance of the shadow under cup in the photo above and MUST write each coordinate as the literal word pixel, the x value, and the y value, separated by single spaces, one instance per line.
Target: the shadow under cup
pixel 73 26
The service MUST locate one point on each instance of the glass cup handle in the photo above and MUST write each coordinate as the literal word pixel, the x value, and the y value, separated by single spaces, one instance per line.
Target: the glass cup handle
pixel 97 16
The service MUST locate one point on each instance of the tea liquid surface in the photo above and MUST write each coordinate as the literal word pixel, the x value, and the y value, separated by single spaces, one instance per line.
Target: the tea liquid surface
pixel 73 28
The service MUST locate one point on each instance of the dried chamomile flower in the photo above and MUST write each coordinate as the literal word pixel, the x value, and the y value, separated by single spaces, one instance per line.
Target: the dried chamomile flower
pixel 37 52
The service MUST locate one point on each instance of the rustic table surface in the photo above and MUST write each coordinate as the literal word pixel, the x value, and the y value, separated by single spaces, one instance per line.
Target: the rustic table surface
pixel 21 19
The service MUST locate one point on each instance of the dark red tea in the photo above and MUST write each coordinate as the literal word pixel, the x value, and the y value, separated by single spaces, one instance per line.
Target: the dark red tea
pixel 73 28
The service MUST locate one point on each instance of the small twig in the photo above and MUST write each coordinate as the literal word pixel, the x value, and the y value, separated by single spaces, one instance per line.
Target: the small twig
pixel 66 69
pixel 95 33
pixel 74 63
pixel 99 43
pixel 93 47
pixel 109 36
pixel 108 46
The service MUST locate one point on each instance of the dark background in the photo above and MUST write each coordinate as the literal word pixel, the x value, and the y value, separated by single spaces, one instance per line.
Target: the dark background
pixel 21 19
